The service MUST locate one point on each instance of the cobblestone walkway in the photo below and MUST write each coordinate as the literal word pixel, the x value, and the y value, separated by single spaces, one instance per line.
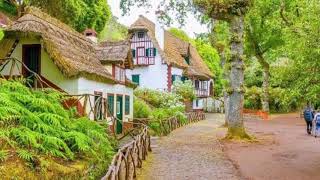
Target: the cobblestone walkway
pixel 192 152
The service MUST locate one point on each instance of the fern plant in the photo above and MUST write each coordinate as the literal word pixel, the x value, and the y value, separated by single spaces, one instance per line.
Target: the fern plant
pixel 25 155
pixel 3 155
pixel 35 123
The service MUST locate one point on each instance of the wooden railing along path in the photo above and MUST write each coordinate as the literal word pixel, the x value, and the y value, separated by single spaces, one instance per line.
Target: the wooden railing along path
pixel 129 157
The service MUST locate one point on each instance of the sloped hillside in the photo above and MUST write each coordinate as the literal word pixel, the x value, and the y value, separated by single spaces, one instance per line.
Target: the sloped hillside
pixel 39 138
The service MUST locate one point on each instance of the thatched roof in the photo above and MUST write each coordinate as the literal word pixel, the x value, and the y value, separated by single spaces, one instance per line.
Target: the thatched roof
pixel 72 52
pixel 175 50
pixel 115 52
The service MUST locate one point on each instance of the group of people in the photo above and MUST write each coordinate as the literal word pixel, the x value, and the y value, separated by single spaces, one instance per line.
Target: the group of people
pixel 312 119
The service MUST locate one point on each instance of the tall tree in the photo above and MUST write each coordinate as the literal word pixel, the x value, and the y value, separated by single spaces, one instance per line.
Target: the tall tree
pixel 302 47
pixel 263 35
pixel 80 14
pixel 233 12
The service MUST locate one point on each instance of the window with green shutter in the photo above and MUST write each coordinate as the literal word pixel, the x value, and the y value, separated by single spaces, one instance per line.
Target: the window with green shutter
pixel 136 79
pixel 154 52
pixel 133 53
pixel 151 52
pixel 110 105
pixel 173 78
pixel 127 105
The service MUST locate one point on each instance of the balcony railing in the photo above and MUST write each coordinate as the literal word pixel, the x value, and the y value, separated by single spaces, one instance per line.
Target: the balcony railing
pixel 201 92
pixel 144 61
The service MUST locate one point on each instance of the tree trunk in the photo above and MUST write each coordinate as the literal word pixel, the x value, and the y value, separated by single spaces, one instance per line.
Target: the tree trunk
pixel 265 83
pixel 225 93
pixel 236 90
pixel 265 90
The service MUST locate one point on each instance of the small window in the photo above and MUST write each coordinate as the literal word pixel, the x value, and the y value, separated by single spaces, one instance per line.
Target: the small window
pixel 136 79
pixel 140 35
pixel 110 105
pixel 127 105
pixel 197 84
pixel 197 103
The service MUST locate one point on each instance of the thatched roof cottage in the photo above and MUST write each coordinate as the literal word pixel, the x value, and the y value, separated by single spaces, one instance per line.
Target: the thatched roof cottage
pixel 158 54
pixel 69 61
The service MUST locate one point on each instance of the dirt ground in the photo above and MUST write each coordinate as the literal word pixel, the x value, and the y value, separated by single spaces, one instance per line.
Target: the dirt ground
pixel 284 151
pixel 192 152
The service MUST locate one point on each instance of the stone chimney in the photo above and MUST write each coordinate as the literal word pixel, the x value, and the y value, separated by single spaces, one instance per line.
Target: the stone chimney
pixel 159 33
pixel 91 34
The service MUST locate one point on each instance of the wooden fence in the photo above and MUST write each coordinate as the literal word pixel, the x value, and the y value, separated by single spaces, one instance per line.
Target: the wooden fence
pixel 125 163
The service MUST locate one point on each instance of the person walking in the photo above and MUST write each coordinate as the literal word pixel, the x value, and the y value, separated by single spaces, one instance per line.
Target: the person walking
pixel 308 117
pixel 316 123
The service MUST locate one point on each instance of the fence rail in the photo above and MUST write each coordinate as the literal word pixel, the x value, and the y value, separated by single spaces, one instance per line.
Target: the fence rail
pixel 125 163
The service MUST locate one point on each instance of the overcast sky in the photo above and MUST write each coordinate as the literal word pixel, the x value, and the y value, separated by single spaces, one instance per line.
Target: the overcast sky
pixel 192 25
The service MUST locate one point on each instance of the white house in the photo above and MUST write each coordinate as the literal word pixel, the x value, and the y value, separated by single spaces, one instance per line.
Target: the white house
pixel 70 62
pixel 160 58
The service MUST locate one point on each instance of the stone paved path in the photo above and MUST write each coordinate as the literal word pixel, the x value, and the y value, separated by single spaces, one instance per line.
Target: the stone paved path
pixel 192 152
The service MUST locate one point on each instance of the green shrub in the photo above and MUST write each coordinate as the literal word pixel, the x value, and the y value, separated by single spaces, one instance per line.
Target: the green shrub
pixel 280 100
pixel 184 89
pixel 141 109
pixel 36 124
pixel 159 99
pixel 164 105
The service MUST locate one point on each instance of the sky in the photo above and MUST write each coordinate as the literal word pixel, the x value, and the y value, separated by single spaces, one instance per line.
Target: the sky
pixel 192 25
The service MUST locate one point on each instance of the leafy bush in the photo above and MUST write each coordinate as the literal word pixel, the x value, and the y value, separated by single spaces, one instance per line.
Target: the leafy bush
pixel 184 89
pixel 159 99
pixel 159 106
pixel 280 100
pixel 36 124
pixel 160 116
pixel 141 109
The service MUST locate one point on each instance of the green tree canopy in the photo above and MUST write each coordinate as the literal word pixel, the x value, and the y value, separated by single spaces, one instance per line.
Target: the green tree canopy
pixel 79 14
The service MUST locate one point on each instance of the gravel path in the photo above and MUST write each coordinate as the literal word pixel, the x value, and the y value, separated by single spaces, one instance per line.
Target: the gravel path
pixel 191 152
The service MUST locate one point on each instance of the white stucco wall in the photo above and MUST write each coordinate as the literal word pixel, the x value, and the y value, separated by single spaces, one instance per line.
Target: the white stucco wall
pixel 152 76
pixel 86 86
pixel 176 71
pixel 48 69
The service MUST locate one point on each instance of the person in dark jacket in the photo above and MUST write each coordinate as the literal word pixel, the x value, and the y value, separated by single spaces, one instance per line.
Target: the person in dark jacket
pixel 308 115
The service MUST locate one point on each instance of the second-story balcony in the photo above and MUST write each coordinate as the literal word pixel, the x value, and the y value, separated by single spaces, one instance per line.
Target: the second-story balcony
pixel 144 61
pixel 201 92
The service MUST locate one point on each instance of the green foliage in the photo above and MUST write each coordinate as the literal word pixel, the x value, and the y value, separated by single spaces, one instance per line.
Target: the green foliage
pixel 159 99
pixel 113 31
pixel 1 34
pixel 184 89
pixel 141 109
pixel 7 7
pixel 3 155
pixel 280 99
pixel 25 155
pixel 79 14
pixel 163 105
pixel 181 34
pixel 35 123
